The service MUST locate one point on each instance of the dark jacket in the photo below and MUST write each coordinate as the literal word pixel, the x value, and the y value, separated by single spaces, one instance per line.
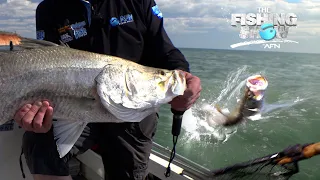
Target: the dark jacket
pixel 131 29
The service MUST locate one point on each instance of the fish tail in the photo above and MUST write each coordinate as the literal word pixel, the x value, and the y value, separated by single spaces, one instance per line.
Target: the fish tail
pixel 17 42
pixel 237 115
pixel 9 39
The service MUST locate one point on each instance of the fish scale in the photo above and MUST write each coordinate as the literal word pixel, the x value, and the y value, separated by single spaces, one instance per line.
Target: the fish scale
pixel 59 85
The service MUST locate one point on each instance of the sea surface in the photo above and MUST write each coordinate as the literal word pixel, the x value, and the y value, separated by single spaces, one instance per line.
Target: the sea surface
pixel 291 112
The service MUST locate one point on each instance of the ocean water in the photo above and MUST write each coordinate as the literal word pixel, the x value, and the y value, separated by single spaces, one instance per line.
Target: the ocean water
pixel 291 113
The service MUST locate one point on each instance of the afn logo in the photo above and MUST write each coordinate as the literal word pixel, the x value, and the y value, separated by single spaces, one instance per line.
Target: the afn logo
pixel 122 20
pixel 264 27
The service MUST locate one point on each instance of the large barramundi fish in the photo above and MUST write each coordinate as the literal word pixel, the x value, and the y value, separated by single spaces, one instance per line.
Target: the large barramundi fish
pixel 82 87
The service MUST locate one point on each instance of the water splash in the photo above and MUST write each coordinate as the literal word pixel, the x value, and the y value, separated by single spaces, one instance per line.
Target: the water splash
pixel 232 81
pixel 281 105
pixel 201 122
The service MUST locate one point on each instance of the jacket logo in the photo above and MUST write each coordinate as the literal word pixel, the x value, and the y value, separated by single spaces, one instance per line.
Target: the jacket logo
pixel 121 20
pixel 8 126
pixel 156 11
pixel 73 31
pixel 66 38
pixel 79 30
pixel 40 34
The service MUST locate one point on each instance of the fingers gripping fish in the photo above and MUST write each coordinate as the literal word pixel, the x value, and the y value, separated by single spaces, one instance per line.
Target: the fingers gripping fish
pixel 83 86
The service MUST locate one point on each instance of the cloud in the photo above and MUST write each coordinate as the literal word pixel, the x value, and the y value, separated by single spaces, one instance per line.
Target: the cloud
pixel 18 16
pixel 182 25
pixel 18 8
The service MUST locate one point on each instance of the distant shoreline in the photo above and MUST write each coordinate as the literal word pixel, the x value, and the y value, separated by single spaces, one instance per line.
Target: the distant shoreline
pixel 256 51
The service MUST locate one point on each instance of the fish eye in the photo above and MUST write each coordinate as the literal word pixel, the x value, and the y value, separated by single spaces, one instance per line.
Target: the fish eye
pixel 162 72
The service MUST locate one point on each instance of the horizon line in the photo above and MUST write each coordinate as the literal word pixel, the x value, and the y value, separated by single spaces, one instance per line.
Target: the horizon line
pixel 207 48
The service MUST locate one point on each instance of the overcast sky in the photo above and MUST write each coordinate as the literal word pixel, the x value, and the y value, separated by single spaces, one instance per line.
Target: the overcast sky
pixel 198 23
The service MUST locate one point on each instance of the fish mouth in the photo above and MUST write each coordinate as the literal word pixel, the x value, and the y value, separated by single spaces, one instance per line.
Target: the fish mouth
pixel 257 84
pixel 178 82
pixel 174 85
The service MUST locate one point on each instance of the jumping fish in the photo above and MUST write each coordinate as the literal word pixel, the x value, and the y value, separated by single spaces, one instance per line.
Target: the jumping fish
pixel 250 104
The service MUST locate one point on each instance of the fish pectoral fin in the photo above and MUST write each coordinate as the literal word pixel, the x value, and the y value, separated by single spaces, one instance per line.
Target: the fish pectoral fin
pixel 66 133
pixel 218 108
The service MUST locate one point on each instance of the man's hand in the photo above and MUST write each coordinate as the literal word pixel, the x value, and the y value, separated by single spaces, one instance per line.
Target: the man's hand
pixel 190 96
pixel 36 117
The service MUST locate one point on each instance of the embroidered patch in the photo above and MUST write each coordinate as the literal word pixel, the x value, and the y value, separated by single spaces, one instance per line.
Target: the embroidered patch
pixel 40 34
pixel 66 38
pixel 73 31
pixel 79 30
pixel 8 126
pixel 114 21
pixel 156 11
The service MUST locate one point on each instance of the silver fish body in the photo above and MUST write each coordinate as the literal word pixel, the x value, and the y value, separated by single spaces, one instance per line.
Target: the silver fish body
pixel 67 80
pixel 82 87
pixel 249 105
